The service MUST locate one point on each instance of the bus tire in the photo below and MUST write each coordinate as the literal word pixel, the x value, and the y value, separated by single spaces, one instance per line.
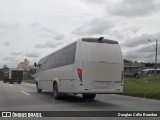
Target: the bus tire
pixel 56 94
pixel 38 90
pixel 90 96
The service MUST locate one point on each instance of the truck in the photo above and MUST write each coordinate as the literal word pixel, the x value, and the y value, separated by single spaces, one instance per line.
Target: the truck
pixel 15 76
pixel 5 76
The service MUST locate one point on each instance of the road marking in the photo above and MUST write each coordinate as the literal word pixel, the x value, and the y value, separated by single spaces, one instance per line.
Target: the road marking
pixel 25 93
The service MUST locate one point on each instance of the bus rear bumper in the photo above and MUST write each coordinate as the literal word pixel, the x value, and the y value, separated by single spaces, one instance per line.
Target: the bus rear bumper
pixel 102 91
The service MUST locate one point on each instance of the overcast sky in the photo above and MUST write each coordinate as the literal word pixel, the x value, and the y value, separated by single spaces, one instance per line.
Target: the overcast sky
pixel 34 28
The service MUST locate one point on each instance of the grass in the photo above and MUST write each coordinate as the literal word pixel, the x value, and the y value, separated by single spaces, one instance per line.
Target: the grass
pixel 145 87
pixel 30 81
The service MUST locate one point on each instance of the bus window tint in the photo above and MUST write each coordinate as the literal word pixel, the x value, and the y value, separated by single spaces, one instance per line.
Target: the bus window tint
pixel 71 53
pixel 65 56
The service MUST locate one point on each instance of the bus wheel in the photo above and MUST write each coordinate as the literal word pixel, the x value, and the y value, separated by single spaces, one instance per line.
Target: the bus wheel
pixel 38 90
pixel 88 96
pixel 56 94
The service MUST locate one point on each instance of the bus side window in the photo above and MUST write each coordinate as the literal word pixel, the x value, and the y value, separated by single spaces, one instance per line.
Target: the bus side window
pixel 52 61
pixel 64 56
pixel 71 53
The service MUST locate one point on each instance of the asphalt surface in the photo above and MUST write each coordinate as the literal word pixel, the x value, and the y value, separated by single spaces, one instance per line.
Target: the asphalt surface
pixel 23 97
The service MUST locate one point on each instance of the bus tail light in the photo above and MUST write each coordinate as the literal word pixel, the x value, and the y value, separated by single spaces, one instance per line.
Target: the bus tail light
pixel 79 71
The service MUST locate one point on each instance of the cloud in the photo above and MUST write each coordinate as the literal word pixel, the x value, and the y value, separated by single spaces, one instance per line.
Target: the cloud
pixel 6 43
pixel 95 26
pixel 59 37
pixel 32 54
pixel 141 40
pixel 9 58
pixel 17 53
pixel 43 31
pixel 143 54
pixel 134 8
pixel 139 48
pixel 93 1
pixel 49 44
pixel 40 28
pixel 124 34
pixel 9 26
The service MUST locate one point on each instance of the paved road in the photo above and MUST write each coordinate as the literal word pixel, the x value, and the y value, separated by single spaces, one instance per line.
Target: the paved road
pixel 23 97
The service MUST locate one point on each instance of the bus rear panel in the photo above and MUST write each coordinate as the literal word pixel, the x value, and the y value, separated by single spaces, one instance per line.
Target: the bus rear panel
pixel 102 66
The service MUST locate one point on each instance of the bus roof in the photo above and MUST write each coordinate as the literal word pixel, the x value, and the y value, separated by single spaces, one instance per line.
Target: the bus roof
pixel 80 39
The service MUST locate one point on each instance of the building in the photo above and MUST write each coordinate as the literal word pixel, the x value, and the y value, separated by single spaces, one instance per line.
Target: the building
pixel 20 65
pixel 132 69
pixel 25 65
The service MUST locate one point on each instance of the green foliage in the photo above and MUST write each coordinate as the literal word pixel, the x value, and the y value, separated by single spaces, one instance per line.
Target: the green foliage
pixel 30 81
pixel 145 87
pixel 127 61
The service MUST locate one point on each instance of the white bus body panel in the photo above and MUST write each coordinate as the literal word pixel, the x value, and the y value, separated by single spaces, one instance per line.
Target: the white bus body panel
pixel 102 66
pixel 62 75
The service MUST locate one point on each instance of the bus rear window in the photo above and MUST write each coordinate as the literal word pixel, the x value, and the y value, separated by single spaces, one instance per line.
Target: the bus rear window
pixel 102 53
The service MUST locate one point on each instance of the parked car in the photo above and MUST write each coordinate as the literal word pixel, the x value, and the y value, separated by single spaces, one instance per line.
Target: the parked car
pixel 149 72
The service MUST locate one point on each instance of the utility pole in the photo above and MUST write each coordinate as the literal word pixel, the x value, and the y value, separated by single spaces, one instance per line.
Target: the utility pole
pixel 156 57
pixel 155 66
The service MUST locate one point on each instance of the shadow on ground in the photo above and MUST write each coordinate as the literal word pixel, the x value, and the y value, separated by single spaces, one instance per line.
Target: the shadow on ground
pixel 75 101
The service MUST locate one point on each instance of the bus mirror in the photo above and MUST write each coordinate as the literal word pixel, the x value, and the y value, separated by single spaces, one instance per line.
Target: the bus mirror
pixel 35 64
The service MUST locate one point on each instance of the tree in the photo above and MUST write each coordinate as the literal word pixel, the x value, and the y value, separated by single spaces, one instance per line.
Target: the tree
pixel 127 61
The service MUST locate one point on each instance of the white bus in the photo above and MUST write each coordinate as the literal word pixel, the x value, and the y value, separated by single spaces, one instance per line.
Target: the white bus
pixel 88 66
